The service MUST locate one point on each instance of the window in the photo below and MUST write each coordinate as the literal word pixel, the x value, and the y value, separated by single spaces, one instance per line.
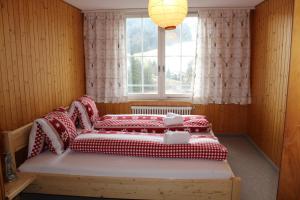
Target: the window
pixel 160 63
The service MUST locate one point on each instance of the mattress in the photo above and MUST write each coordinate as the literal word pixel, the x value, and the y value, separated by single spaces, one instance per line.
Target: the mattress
pixel 91 164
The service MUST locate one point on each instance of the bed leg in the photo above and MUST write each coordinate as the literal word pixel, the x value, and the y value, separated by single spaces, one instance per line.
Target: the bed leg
pixel 236 188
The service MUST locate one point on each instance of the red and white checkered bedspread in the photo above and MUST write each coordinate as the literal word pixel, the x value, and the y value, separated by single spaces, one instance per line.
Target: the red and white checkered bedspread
pixel 148 145
pixel 150 123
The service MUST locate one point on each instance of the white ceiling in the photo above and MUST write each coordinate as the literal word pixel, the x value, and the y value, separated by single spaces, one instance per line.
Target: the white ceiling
pixel 122 4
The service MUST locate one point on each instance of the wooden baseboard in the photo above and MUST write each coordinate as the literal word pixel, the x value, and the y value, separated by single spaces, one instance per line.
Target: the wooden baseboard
pixel 262 153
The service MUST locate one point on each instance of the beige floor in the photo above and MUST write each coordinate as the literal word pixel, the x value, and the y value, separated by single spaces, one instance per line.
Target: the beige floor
pixel 259 177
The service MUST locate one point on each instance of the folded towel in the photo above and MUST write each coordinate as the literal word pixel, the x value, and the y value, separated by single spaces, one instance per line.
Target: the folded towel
pixel 173 119
pixel 170 114
pixel 177 137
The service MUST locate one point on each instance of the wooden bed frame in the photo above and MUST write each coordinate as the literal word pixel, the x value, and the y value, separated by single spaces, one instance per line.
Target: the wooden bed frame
pixel 120 187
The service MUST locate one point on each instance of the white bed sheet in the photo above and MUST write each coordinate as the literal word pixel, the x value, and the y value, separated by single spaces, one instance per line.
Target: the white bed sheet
pixel 91 164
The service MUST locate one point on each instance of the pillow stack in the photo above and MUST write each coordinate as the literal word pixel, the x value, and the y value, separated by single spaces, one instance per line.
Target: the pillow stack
pixel 57 130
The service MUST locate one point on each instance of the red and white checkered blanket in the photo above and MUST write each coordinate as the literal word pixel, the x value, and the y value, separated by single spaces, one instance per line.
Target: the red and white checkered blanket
pixel 150 123
pixel 148 145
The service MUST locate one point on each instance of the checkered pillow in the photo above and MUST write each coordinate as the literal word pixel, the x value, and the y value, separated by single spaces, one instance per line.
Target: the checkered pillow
pixel 151 123
pixel 84 112
pixel 55 130
pixel 148 145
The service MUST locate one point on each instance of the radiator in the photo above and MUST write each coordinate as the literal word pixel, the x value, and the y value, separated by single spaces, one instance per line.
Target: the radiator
pixel 160 110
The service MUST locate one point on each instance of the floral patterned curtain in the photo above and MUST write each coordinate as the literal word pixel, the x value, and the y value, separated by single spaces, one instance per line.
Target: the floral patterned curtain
pixel 222 72
pixel 105 56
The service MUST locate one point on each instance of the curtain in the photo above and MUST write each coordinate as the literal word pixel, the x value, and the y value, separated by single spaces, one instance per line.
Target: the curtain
pixel 105 56
pixel 222 69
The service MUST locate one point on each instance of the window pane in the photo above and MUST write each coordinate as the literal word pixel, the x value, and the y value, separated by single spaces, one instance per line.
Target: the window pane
pixel 134 67
pixel 187 74
pixel 188 48
pixel 172 79
pixel 180 56
pixel 134 35
pixel 179 75
pixel 150 74
pixel 172 41
pixel 189 29
pixel 189 32
pixel 142 48
pixel 150 38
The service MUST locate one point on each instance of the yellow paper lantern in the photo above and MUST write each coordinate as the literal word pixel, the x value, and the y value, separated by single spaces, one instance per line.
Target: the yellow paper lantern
pixel 167 13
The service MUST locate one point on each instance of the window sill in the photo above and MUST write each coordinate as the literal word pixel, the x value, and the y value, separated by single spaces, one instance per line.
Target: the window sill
pixel 165 99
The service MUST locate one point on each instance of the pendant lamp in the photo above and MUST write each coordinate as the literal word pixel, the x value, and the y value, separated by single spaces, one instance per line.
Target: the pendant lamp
pixel 167 14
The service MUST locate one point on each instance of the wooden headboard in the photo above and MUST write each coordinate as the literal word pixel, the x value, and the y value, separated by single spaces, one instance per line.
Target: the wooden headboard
pixel 16 140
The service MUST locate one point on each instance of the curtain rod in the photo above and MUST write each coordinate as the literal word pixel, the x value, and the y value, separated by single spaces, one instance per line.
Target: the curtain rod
pixel 192 9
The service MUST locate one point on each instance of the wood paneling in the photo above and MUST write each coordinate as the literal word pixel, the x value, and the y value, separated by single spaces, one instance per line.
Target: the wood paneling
pixel 41 59
pixel 271 43
pixel 290 175
pixel 226 119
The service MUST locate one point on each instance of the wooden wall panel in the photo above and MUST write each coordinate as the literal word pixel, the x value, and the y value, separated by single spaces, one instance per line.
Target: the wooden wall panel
pixel 41 59
pixel 271 42
pixel 289 183
pixel 226 119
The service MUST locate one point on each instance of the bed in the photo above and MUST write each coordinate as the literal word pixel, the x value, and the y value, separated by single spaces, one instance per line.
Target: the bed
pixel 79 174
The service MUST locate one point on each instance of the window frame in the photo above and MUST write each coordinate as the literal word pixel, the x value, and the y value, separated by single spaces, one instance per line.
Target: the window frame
pixel 161 92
